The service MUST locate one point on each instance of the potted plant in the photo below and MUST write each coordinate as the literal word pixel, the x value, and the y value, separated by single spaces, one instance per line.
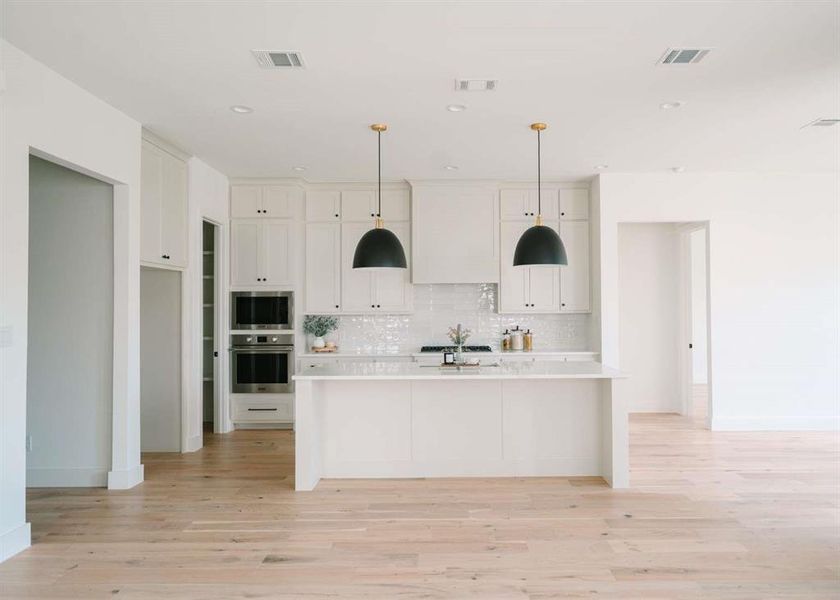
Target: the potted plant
pixel 319 326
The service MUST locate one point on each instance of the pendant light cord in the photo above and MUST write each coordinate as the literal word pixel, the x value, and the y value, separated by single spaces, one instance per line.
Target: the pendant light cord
pixel 379 172
pixel 539 180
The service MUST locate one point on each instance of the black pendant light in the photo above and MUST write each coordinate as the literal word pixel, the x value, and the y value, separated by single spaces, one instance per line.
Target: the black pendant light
pixel 539 245
pixel 379 248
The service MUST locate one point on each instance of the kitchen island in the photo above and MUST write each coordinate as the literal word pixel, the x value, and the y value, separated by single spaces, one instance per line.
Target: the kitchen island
pixel 399 420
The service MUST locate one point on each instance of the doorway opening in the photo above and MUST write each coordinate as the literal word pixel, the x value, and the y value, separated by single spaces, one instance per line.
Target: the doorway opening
pixel 210 326
pixel 69 403
pixel 663 318
pixel 160 360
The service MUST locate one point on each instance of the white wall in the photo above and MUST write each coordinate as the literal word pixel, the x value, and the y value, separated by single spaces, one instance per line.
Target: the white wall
pixel 70 327
pixel 697 242
pixel 649 300
pixel 208 199
pixel 774 274
pixel 44 113
pixel 160 360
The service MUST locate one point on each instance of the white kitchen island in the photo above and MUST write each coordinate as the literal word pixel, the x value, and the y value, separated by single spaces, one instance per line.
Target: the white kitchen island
pixel 399 420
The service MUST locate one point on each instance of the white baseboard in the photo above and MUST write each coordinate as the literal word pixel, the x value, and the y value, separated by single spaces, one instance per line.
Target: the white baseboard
pixel 194 443
pixel 91 477
pixel 126 478
pixel 775 423
pixel 15 540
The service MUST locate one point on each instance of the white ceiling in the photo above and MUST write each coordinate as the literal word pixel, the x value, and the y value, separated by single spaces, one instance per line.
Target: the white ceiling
pixel 586 68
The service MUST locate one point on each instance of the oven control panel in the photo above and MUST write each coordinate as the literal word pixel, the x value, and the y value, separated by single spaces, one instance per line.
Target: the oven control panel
pixel 259 340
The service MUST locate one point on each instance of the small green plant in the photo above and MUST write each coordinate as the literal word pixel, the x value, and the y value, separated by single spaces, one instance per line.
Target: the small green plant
pixel 319 325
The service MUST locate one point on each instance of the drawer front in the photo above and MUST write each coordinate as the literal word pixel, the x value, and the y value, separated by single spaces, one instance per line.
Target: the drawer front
pixel 250 410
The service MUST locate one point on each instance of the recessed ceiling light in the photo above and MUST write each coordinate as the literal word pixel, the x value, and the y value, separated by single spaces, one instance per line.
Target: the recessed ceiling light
pixel 298 169
pixel 241 109
pixel 602 167
pixel 456 108
pixel 450 167
pixel 678 169
pixel 670 105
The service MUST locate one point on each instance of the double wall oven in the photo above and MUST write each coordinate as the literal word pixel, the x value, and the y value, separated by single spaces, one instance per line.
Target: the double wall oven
pixel 263 358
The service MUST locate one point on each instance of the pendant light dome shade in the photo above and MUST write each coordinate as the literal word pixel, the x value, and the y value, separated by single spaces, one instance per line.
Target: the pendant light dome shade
pixel 379 249
pixel 540 245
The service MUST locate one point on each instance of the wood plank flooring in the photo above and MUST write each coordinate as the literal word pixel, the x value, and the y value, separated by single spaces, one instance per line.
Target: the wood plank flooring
pixel 710 515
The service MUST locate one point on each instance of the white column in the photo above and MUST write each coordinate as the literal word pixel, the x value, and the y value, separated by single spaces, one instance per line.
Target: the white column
pixel 308 423
pixel 615 450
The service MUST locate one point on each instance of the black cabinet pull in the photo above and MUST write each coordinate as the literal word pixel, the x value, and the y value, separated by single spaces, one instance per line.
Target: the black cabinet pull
pixel 562 304
pixel 262 410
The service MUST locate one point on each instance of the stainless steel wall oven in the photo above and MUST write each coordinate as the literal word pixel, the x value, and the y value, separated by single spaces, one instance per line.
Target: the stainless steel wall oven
pixel 262 364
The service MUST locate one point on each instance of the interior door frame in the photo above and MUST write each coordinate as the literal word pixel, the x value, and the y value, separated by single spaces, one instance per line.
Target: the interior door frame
pixel 685 329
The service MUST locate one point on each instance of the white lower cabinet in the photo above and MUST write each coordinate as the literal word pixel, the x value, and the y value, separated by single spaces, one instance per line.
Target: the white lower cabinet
pixel 574 278
pixel 262 408
pixel 525 289
pixel 261 253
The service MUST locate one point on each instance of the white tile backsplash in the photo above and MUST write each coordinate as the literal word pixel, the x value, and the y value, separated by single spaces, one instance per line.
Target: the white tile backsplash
pixel 440 306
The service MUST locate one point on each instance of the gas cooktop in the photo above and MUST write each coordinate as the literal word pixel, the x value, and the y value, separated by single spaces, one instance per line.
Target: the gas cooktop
pixel 455 348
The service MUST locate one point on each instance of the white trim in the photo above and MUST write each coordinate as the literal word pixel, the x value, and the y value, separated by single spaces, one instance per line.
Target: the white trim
pixel 193 443
pixel 125 479
pixel 87 477
pixel 15 540
pixel 166 146
pixel 776 423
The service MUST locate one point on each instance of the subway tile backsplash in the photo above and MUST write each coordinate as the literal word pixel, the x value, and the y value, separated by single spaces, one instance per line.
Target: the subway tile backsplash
pixel 440 306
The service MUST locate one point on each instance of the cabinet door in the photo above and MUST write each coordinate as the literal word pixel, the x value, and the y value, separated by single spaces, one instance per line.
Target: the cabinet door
pixel 323 205
pixel 245 201
pixel 544 286
pixel 550 209
pixel 244 252
pixel 151 180
pixel 574 278
pixel 274 262
pixel 395 206
pixel 574 205
pixel 393 291
pixel 356 284
pixel 358 205
pixel 323 268
pixel 515 205
pixel 174 211
pixel 278 202
pixel 513 284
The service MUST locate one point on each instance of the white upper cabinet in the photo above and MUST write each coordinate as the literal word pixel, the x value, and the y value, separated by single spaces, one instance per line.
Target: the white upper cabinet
pixel 574 278
pixel 261 253
pixel 525 289
pixel 323 206
pixel 323 268
pixel 373 290
pixel 263 201
pixel 356 284
pixel 574 205
pixel 523 205
pixel 358 205
pixel 395 205
pixel 163 207
pixel 454 233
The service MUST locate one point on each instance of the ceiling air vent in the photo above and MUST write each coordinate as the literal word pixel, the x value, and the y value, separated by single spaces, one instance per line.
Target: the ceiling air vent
pixel 683 56
pixel 278 59
pixel 822 123
pixel 476 85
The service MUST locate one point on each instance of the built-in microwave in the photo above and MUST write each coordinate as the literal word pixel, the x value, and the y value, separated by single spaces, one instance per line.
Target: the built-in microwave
pixel 262 310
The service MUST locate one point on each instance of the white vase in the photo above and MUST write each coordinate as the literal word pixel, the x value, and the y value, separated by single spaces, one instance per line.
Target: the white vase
pixel 318 342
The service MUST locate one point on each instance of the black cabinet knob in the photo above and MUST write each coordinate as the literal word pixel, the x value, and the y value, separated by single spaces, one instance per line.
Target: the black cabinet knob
pixel 562 214
pixel 378 306
pixel 562 304
pixel 336 305
pixel 372 215
pixel 336 214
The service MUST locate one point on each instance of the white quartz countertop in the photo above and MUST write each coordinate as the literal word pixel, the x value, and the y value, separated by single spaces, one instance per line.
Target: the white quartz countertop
pixel 404 371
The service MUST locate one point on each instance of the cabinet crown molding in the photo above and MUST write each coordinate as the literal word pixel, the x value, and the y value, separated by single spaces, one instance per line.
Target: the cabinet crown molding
pixel 165 145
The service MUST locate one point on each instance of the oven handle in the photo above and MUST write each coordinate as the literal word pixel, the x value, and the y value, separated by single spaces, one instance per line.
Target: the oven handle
pixel 277 349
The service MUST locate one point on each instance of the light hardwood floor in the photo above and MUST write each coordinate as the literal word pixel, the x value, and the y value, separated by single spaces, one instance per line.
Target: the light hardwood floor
pixel 710 515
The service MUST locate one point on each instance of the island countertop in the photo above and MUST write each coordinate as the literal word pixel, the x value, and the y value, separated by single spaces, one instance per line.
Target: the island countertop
pixel 413 371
